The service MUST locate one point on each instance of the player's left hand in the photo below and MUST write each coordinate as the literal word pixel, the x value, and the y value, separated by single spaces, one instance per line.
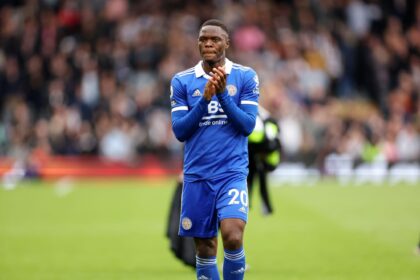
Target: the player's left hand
pixel 218 79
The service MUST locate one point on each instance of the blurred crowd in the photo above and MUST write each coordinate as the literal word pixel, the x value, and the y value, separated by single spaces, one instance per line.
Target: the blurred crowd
pixel 92 77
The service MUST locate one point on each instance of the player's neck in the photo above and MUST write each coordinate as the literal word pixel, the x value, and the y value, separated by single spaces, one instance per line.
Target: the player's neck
pixel 208 66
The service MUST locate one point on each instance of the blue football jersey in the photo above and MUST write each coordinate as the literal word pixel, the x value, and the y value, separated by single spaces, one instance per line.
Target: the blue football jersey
pixel 216 147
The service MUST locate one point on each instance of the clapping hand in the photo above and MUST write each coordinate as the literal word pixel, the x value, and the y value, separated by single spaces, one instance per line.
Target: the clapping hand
pixel 216 83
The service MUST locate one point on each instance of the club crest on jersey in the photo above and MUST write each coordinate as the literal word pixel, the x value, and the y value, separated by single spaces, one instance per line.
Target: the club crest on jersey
pixel 232 90
pixel 186 223
pixel 196 93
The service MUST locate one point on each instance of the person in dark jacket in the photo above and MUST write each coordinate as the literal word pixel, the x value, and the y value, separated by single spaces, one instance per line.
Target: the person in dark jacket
pixel 264 156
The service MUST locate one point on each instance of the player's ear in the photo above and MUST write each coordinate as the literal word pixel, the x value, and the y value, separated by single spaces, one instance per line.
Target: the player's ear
pixel 227 43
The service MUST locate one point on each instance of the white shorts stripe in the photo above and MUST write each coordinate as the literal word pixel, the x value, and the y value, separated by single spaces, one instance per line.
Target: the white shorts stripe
pixel 180 108
pixel 248 102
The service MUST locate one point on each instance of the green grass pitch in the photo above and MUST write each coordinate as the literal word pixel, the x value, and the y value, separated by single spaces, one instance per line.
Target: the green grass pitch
pixel 115 229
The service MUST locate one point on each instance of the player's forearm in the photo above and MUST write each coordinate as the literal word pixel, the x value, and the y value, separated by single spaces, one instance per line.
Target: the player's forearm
pixel 243 120
pixel 185 123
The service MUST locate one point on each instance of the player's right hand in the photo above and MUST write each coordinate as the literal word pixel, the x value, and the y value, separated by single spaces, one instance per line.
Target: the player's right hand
pixel 209 90
pixel 216 83
pixel 218 78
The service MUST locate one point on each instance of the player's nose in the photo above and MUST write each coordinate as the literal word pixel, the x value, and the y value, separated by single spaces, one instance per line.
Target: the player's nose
pixel 208 43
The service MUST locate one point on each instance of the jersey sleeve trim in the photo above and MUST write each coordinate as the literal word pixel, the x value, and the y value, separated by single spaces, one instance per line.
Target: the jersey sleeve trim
pixel 180 108
pixel 248 102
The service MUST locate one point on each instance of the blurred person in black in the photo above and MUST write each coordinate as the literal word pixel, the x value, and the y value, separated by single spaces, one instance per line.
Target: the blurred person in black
pixel 264 156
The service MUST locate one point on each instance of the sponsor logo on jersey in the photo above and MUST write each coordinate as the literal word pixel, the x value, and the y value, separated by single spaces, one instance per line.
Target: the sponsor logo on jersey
pixel 232 90
pixel 186 223
pixel 173 102
pixel 196 93
pixel 256 80
pixel 242 209
pixel 257 85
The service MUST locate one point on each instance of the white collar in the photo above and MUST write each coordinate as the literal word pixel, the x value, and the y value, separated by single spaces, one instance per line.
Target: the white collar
pixel 199 70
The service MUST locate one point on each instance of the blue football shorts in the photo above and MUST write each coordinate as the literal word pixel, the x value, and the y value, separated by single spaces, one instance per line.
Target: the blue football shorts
pixel 206 202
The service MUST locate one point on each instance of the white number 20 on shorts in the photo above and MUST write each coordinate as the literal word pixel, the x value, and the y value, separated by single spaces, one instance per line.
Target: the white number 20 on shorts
pixel 241 196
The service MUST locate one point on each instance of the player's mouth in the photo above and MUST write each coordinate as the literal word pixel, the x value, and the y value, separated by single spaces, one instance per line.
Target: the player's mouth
pixel 208 53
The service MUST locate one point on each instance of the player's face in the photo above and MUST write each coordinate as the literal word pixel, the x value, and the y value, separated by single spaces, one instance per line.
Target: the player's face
pixel 212 43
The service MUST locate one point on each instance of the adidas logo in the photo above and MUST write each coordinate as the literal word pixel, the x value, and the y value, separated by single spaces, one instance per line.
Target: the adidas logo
pixel 242 209
pixel 239 271
pixel 196 93
pixel 202 277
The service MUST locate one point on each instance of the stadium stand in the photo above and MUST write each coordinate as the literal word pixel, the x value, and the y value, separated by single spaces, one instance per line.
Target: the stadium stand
pixel 91 78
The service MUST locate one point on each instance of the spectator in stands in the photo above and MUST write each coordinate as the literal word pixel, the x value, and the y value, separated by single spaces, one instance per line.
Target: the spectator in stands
pixel 70 63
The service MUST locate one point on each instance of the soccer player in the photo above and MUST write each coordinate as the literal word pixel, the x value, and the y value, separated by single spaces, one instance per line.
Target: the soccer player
pixel 214 108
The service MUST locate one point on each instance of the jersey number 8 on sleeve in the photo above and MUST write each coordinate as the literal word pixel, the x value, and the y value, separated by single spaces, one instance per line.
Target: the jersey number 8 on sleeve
pixel 243 197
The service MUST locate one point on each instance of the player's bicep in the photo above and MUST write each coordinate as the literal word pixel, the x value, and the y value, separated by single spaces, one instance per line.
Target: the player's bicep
pixel 251 89
pixel 251 93
pixel 178 97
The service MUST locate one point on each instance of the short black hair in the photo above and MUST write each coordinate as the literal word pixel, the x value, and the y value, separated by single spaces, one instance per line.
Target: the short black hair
pixel 216 22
